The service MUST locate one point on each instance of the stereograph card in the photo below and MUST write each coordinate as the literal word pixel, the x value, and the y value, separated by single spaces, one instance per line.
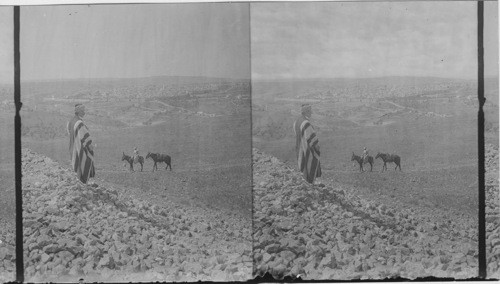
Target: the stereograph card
pixel 233 141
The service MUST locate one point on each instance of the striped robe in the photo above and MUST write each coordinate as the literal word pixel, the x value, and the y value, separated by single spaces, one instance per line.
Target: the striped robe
pixel 307 149
pixel 82 157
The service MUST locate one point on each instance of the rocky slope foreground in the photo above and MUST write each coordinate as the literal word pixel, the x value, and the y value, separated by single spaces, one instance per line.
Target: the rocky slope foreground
pixel 492 211
pixel 326 232
pixel 7 252
pixel 74 231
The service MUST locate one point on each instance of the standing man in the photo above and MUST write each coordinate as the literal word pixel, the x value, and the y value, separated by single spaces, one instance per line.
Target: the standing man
pixel 81 149
pixel 307 145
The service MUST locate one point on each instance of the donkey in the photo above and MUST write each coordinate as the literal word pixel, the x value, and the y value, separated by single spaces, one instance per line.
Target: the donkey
pixel 131 161
pixel 389 158
pixel 361 161
pixel 159 158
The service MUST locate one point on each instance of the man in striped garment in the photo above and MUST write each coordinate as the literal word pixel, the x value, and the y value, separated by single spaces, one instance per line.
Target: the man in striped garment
pixel 81 149
pixel 307 146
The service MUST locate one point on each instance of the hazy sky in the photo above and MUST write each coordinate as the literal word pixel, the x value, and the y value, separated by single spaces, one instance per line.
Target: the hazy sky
pixel 6 45
pixel 304 40
pixel 124 41
pixel 289 40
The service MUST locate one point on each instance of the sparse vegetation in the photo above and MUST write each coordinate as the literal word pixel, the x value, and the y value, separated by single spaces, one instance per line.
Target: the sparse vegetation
pixel 210 170
pixel 431 123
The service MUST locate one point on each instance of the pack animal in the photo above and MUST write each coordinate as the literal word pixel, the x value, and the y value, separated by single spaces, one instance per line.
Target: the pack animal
pixel 389 158
pixel 159 158
pixel 131 162
pixel 361 161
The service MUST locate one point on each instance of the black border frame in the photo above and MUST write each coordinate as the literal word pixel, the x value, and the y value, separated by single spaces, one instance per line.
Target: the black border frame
pixel 482 272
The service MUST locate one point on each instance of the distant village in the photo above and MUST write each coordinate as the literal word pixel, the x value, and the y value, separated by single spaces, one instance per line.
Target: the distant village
pixel 371 92
pixel 111 93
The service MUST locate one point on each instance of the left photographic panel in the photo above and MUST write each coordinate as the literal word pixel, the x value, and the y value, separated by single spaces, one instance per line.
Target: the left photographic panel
pixel 7 176
pixel 136 136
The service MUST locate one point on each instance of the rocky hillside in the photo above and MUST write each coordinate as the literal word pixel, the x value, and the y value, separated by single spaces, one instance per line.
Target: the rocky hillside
pixel 326 232
pixel 7 252
pixel 492 211
pixel 74 231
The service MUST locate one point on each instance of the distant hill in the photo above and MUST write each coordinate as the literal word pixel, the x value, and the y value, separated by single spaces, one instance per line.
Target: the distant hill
pixel 70 87
pixel 387 79
pixel 135 81
pixel 350 86
pixel 142 80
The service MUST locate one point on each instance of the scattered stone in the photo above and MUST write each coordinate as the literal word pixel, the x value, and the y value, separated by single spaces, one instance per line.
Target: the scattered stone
pixel 330 233
pixel 77 230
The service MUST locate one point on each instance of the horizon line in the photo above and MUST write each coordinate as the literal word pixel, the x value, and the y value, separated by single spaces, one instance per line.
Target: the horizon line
pixel 238 78
pixel 128 78
pixel 374 77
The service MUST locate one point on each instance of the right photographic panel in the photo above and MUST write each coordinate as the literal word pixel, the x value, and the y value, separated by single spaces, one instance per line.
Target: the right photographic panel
pixel 365 139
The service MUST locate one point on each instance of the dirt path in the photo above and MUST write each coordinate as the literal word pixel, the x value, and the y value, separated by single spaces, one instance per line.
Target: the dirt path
pixel 416 110
pixel 173 107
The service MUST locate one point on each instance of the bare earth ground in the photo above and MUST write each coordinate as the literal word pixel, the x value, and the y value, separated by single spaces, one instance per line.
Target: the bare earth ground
pixel 210 171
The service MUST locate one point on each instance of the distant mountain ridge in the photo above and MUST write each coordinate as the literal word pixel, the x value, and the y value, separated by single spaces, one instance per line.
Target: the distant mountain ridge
pixel 141 80
pixel 202 79
pixel 385 78
pixel 99 86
